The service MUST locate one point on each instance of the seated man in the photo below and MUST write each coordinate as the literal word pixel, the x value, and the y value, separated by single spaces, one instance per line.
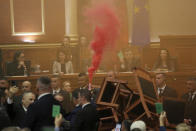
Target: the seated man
pixel 17 111
pixel 85 119
pixel 190 97
pixel 162 88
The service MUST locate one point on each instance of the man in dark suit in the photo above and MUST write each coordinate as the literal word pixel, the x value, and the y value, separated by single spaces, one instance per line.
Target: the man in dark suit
pixel 72 115
pixel 86 118
pixel 83 84
pixel 56 89
pixel 190 98
pixel 4 118
pixel 39 114
pixel 17 111
pixel 162 88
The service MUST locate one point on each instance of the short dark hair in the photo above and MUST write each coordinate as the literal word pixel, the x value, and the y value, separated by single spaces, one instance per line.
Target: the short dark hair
pixel 45 80
pixel 163 74
pixel 75 93
pixel 86 94
pixel 59 94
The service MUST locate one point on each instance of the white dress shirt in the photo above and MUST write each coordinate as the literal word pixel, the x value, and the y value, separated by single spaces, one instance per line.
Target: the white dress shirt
pixel 162 88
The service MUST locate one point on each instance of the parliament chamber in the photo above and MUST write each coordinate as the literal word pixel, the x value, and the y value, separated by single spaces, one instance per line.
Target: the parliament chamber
pixel 137 58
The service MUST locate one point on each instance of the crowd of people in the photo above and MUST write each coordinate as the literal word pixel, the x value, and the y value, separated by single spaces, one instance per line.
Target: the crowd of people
pixel 31 108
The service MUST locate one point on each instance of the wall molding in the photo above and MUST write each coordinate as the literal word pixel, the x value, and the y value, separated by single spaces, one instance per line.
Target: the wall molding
pixel 26 33
pixel 29 45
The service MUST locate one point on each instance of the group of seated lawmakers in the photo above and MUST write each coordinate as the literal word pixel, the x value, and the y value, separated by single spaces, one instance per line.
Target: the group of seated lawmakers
pixel 22 110
pixel 19 66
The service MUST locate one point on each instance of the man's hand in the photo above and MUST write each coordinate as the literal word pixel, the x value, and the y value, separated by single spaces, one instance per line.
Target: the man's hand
pixel 187 121
pixel 21 63
pixel 58 120
pixel 12 91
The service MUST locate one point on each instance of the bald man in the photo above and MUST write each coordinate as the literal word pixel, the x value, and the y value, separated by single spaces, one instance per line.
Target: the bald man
pixel 17 111
pixel 26 86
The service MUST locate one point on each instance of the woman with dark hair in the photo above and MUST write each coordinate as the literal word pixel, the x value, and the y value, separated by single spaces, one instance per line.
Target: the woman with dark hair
pixel 62 65
pixel 164 62
pixel 18 66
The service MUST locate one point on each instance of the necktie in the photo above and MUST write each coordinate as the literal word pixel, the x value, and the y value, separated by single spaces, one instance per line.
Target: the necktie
pixel 160 92
pixel 191 97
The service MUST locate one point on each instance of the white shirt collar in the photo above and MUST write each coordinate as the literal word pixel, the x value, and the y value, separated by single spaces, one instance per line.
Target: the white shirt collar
pixel 163 88
pixel 42 95
pixel 25 109
pixel 56 91
pixel 85 104
pixel 77 105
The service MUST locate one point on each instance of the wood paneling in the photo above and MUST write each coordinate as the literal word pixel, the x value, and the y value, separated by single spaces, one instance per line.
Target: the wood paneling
pixel 183 48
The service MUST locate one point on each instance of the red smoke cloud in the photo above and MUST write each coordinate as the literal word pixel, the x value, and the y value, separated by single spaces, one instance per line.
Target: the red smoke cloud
pixel 107 27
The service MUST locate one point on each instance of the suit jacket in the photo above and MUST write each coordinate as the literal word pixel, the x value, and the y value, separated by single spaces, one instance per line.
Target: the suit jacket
pixel 72 115
pixel 190 109
pixel 169 92
pixel 85 119
pixel 16 113
pixel 39 113
pixel 57 67
pixel 67 104
pixel 4 118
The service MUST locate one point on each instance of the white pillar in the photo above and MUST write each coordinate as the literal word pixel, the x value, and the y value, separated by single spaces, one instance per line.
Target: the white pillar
pixel 71 21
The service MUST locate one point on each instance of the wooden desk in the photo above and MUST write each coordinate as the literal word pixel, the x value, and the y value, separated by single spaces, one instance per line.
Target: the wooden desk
pixel 175 80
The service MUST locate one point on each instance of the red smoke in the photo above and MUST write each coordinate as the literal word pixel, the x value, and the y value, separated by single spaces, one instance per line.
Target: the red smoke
pixel 107 27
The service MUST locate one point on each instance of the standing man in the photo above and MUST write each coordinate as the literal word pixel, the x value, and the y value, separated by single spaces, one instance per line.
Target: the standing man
pixel 17 111
pixel 56 89
pixel 162 88
pixel 190 98
pixel 86 118
pixel 39 114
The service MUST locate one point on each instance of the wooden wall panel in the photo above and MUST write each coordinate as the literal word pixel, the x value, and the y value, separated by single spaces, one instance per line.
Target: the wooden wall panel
pixel 183 48
pixel 42 56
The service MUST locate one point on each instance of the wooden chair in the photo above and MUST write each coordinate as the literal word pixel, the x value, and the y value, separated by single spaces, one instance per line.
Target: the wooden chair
pixel 112 100
pixel 142 104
